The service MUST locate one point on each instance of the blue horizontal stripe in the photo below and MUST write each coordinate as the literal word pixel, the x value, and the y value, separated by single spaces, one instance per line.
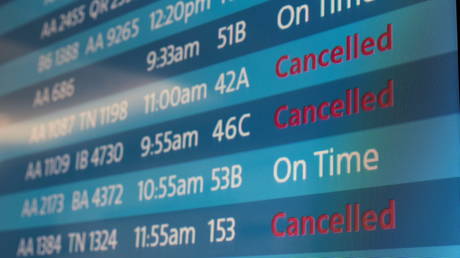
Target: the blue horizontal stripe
pixel 13 14
pixel 435 251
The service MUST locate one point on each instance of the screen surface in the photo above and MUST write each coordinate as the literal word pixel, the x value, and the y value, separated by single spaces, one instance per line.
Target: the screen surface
pixel 229 128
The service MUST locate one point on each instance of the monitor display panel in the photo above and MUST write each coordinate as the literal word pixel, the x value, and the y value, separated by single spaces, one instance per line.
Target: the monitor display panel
pixel 229 128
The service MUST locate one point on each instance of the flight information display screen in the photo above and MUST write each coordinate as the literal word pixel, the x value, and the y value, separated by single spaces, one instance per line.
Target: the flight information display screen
pixel 229 128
